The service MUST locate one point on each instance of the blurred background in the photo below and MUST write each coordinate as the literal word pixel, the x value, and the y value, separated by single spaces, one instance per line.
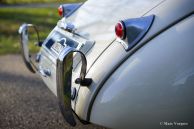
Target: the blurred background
pixel 13 13
pixel 25 102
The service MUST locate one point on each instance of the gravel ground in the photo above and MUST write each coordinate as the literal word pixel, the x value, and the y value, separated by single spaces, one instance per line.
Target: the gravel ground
pixel 25 102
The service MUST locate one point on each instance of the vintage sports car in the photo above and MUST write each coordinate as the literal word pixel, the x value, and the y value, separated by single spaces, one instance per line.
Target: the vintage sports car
pixel 120 63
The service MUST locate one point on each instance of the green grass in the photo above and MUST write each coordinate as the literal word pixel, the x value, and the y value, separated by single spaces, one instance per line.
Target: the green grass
pixel 37 1
pixel 12 18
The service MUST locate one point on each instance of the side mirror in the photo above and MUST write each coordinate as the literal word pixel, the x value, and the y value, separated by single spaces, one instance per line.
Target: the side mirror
pixel 23 31
pixel 64 81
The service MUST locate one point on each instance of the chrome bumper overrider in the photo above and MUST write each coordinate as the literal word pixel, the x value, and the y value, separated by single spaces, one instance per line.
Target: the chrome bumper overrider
pixel 64 79
pixel 23 31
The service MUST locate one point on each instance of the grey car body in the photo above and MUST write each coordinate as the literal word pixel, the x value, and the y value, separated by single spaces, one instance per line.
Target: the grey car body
pixel 148 86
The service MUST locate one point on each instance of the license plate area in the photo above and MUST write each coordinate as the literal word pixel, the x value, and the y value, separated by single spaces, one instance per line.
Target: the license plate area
pixel 59 39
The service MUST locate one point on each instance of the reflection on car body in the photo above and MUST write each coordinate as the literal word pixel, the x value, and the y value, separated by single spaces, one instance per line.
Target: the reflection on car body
pixel 120 64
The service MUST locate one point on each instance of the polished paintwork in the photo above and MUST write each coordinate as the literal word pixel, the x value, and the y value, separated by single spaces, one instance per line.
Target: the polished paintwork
pixel 154 85
pixel 112 69
pixel 116 54
pixel 96 20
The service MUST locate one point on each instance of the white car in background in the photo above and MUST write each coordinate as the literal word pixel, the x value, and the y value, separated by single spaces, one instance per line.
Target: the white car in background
pixel 120 63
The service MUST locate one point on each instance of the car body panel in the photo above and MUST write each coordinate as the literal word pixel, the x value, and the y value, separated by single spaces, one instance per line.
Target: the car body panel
pixel 153 86
pixel 115 54
pixel 96 20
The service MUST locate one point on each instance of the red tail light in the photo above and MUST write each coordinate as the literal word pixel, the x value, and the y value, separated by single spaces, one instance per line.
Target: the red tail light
pixel 60 10
pixel 120 30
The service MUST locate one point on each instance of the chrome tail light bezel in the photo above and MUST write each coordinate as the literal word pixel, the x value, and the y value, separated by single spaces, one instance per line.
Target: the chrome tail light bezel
pixel 135 30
